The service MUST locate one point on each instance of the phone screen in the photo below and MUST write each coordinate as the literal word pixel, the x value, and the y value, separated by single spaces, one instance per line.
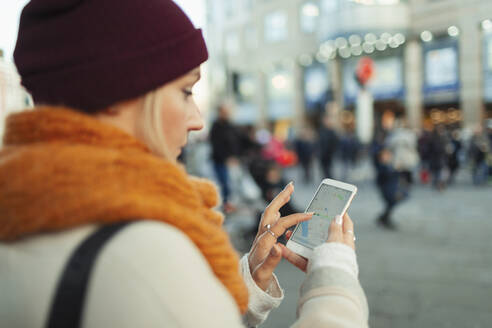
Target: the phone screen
pixel 326 204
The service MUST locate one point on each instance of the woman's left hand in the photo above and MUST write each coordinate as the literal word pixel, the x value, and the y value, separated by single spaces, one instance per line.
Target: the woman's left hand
pixel 266 253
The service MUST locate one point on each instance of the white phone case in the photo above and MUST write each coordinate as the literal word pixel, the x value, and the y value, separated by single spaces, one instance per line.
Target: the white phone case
pixel 306 251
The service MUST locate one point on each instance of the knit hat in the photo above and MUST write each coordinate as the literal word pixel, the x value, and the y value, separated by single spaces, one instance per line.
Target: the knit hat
pixel 89 54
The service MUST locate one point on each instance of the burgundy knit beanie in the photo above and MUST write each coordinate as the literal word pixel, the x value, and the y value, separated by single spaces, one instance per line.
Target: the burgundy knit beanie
pixel 89 54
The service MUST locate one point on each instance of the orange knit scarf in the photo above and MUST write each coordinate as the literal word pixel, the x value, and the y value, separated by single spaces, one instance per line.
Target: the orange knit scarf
pixel 60 169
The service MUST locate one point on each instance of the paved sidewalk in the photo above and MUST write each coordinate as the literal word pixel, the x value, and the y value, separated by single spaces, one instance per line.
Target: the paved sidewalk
pixel 435 271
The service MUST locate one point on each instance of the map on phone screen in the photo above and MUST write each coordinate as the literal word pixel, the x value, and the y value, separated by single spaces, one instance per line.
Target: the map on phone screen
pixel 326 204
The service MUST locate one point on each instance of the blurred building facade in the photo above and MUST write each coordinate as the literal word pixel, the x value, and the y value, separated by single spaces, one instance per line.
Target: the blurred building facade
pixel 292 60
pixel 13 96
pixel 254 48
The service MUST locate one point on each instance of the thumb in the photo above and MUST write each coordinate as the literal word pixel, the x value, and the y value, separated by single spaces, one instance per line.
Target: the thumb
pixel 263 274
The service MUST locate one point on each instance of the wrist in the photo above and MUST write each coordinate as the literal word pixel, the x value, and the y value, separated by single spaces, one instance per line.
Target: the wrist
pixel 260 302
pixel 336 255
pixel 266 285
pixel 271 289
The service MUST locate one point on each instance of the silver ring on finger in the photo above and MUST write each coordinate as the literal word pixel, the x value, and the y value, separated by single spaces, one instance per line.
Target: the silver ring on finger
pixel 267 227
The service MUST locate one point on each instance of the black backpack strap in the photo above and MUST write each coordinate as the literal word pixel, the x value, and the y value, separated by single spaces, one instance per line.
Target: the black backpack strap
pixel 68 302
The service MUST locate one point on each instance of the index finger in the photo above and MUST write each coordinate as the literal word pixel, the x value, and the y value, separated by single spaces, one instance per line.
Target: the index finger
pixel 266 239
pixel 280 200
pixel 289 221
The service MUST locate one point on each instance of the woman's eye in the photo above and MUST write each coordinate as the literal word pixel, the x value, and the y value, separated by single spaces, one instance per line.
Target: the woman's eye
pixel 187 93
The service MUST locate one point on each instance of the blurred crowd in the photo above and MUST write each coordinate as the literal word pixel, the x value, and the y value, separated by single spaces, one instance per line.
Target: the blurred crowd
pixel 250 163
pixel 433 156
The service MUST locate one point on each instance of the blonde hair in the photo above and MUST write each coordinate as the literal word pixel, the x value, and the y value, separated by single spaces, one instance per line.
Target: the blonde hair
pixel 150 124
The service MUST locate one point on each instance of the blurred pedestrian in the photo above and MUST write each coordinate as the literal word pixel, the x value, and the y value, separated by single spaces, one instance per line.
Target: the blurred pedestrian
pixel 453 150
pixel 305 148
pixel 389 182
pixel 278 150
pixel 270 178
pixel 225 149
pixel 244 190
pixel 402 142
pixel 104 165
pixel 437 157
pixel 478 152
pixel 377 145
pixel 349 152
pixel 249 146
pixel 327 146
pixel 489 135
pixel 423 147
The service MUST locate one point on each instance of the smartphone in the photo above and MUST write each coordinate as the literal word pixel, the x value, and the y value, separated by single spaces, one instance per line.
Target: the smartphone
pixel 331 198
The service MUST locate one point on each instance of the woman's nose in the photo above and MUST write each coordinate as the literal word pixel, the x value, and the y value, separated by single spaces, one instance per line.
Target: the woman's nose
pixel 195 122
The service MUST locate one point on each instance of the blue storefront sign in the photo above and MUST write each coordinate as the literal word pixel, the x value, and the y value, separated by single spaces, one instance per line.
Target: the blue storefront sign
pixel 316 87
pixel 441 76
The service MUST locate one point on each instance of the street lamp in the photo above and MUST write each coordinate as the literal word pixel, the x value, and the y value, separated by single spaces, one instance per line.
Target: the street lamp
pixel 487 25
pixel 426 36
pixel 453 31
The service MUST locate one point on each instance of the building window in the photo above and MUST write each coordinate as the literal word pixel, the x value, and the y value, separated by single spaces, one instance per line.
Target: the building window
pixel 230 8
pixel 275 26
pixel 309 17
pixel 330 6
pixel 232 43
pixel 248 5
pixel 441 67
pixel 280 93
pixel 250 37
pixel 246 88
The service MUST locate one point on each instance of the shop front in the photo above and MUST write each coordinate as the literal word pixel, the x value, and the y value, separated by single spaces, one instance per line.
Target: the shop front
pixel 441 85
pixel 385 87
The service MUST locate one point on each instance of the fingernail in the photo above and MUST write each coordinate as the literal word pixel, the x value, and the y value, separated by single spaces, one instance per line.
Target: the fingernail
pixel 288 234
pixel 338 220
pixel 309 213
